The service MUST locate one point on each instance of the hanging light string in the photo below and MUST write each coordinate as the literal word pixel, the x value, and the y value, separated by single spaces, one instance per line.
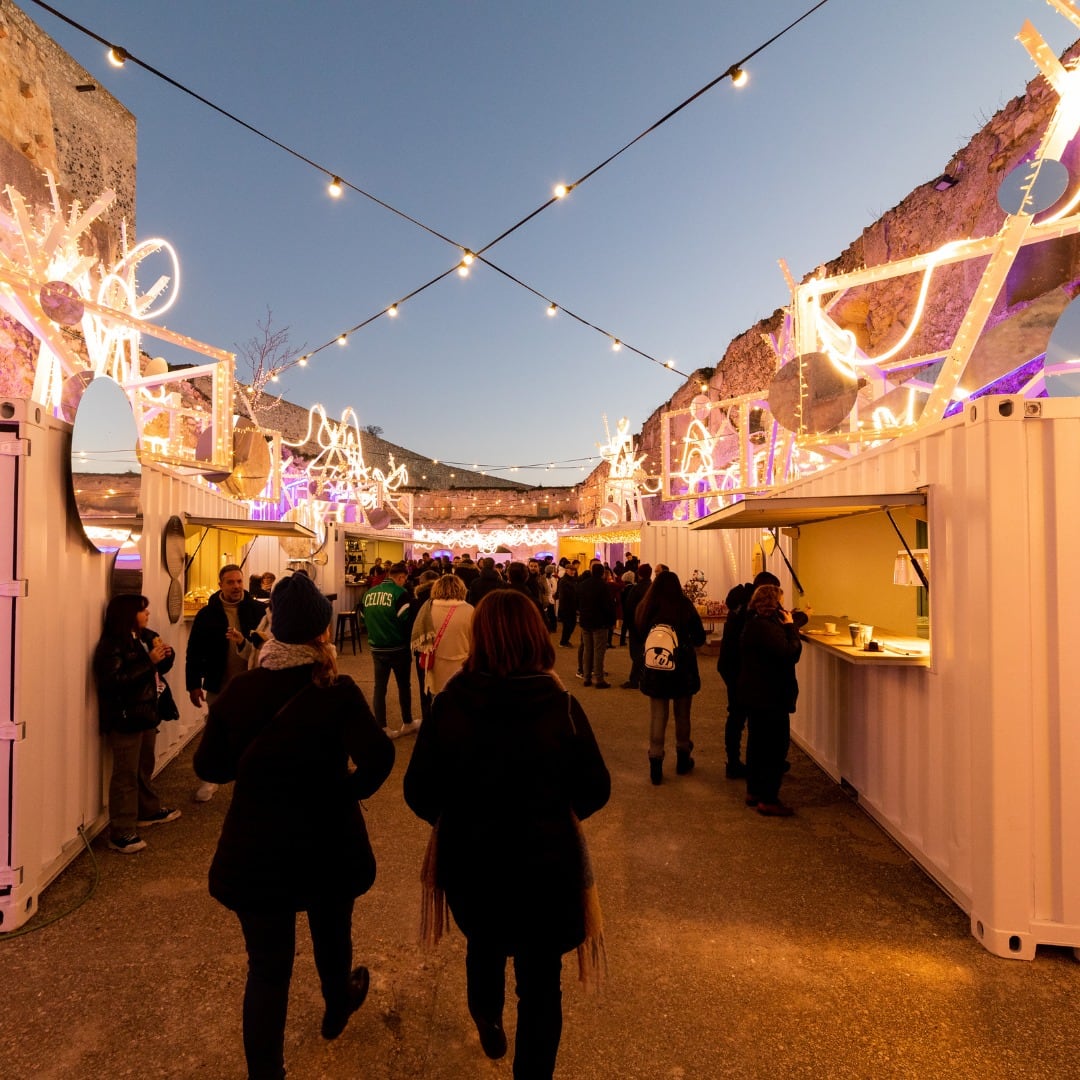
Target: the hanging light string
pixel 562 463
pixel 736 72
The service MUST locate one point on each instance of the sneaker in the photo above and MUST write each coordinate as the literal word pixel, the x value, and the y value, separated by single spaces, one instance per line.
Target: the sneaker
pixel 776 809
pixel 166 813
pixel 411 728
pixel 492 1038
pixel 335 1020
pixel 600 684
pixel 394 732
pixel 580 674
pixel 127 845
pixel 205 792
pixel 587 682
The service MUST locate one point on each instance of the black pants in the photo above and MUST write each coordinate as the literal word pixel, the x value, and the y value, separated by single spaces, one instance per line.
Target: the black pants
pixel 539 992
pixel 567 629
pixel 733 726
pixel 398 662
pixel 270 937
pixel 767 740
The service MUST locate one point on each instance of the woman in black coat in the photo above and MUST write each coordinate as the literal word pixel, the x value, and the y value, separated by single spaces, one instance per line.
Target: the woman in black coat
pixel 294 836
pixel 665 603
pixel 768 689
pixel 504 766
pixel 130 663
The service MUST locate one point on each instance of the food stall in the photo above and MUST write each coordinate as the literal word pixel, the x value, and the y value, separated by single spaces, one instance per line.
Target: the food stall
pixel 961 743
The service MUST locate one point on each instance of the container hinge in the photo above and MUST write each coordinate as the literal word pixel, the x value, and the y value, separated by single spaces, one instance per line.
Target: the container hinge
pixel 18 588
pixel 15 447
pixel 12 732
pixel 10 878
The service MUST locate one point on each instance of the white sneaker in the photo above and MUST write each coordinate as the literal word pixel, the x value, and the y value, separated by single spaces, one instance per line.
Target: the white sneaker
pixel 395 732
pixel 205 792
pixel 410 728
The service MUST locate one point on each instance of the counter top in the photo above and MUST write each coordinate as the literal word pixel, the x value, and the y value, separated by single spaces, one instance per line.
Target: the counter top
pixel 898 650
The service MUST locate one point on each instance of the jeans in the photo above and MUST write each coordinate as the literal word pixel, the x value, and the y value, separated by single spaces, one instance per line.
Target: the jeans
pixel 658 717
pixel 398 661
pixel 767 740
pixel 270 938
pixel 595 644
pixel 539 1018
pixel 130 795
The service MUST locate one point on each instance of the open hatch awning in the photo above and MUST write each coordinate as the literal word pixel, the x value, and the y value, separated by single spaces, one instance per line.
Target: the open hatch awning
pixel 247 527
pixel 771 512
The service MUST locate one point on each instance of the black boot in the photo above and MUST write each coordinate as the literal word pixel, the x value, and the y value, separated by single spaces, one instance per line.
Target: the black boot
pixel 684 763
pixel 656 769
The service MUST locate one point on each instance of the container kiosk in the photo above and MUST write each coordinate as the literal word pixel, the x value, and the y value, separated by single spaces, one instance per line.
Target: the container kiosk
pixel 963 744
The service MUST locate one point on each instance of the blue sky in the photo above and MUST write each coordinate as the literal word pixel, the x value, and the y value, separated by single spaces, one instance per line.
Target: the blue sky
pixel 464 115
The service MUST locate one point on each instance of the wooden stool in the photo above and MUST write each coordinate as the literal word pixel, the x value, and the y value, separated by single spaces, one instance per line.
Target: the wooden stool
pixel 347 620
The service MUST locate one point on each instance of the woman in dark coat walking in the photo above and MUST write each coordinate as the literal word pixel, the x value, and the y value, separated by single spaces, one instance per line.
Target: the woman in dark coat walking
pixel 666 603
pixel 506 764
pixel 294 836
pixel 130 663
pixel 768 689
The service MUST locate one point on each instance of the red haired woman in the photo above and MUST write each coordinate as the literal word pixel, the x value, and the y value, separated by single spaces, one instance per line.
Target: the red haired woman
pixel 505 765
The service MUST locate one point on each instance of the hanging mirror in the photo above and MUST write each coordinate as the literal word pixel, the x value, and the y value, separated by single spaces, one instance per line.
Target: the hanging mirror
pixel 106 475
pixel 812 394
pixel 174 556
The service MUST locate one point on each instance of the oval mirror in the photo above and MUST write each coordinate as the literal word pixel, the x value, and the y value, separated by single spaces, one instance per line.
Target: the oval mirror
pixel 1027 190
pixel 818 401
pixel 1062 377
pixel 174 556
pixel 106 475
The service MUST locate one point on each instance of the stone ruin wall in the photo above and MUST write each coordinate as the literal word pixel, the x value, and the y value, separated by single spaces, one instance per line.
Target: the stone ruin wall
pixel 926 219
pixel 85 139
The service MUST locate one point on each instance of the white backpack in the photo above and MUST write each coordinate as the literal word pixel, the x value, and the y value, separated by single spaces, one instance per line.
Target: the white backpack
pixel 661 646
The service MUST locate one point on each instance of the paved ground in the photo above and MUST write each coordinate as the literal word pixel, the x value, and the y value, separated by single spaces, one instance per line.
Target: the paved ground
pixel 738 947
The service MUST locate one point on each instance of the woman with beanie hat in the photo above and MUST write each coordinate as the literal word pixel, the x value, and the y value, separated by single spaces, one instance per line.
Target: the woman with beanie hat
pixel 303 747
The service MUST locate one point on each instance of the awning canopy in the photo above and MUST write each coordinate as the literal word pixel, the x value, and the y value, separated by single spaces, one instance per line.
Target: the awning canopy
pixel 771 512
pixel 247 527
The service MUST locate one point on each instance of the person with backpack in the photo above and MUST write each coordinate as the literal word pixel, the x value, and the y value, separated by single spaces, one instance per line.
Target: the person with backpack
pixel 672 632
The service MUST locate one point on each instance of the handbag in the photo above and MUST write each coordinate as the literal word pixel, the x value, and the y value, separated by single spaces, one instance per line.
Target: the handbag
pixel 427 658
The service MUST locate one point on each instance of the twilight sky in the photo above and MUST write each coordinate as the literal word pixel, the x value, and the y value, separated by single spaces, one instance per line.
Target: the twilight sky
pixel 463 115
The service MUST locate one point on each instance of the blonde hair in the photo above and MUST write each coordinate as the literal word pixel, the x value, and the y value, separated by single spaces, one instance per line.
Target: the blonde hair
pixel 325 671
pixel 448 587
pixel 766 599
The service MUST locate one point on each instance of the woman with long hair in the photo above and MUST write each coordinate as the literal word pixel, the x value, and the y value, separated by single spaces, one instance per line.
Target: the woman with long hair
pixel 130 662
pixel 768 689
pixel 665 604
pixel 506 769
pixel 303 747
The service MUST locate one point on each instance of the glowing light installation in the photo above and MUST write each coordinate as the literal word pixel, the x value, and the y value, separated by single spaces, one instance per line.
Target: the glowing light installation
pixel 627 484
pixel 744 450
pixel 488 539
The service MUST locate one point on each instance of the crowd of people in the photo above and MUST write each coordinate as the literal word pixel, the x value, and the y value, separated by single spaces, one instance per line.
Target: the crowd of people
pixel 505 767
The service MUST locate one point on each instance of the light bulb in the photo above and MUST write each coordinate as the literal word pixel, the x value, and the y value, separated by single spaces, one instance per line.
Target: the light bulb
pixel 669 363
pixel 392 311
pixel 739 76
pixel 117 55
pixel 335 187
pixel 552 309
pixel 469 258
pixel 342 338
pixel 561 191
pixel 463 269
pixel 303 361
pixel 616 345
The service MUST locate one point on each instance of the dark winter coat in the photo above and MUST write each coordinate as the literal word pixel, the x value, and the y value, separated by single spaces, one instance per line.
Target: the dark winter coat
pixel 128 699
pixel 685 680
pixel 207 648
pixel 631 598
pixel 596 607
pixel 294 832
pixel 502 765
pixel 770 650
pixel 482 584
pixel 566 598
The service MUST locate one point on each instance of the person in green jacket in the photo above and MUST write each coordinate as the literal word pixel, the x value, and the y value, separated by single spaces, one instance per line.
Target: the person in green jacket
pixel 388 617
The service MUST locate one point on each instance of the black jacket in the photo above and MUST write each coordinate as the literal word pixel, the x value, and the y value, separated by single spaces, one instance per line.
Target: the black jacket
pixel 770 650
pixel 204 663
pixel 294 832
pixel 596 606
pixel 128 700
pixel 481 585
pixel 685 680
pixel 502 765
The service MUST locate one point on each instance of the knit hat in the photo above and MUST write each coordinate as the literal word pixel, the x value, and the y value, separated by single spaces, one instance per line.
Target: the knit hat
pixel 299 613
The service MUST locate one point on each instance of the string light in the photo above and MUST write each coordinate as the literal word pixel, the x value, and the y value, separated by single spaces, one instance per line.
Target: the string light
pixel 392 311
pixel 616 345
pixel 553 309
pixel 335 187
pixel 739 76
pixel 463 269
pixel 562 190
pixel 342 339
pixel 117 55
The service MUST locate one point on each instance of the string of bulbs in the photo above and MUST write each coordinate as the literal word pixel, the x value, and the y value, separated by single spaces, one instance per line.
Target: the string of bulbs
pixel 118 56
